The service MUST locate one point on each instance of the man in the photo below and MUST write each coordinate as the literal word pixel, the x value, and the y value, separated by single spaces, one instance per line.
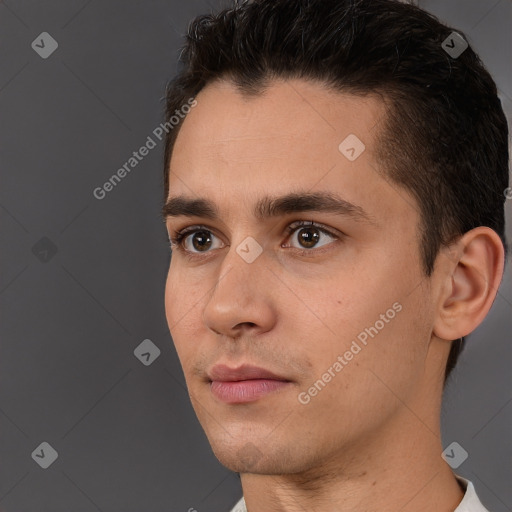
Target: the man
pixel 334 200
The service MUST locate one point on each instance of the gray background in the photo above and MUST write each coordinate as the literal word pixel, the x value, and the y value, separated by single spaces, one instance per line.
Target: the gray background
pixel 126 434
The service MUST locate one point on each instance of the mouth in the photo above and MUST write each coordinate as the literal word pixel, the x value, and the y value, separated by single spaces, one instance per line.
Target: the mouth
pixel 244 384
pixel 243 391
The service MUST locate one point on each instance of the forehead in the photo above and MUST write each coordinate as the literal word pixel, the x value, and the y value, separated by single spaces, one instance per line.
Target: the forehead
pixel 296 113
pixel 296 135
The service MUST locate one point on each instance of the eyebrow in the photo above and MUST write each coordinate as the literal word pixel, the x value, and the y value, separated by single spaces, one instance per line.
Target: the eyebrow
pixel 270 207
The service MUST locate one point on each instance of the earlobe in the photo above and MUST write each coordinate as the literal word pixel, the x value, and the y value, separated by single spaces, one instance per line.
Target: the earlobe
pixel 474 269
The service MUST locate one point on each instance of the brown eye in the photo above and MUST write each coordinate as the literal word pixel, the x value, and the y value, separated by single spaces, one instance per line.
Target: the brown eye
pixel 195 240
pixel 201 241
pixel 308 235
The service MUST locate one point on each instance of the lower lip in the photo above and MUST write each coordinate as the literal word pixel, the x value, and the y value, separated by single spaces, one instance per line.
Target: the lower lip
pixel 241 391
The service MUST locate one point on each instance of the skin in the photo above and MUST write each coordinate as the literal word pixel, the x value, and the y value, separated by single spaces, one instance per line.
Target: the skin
pixel 370 440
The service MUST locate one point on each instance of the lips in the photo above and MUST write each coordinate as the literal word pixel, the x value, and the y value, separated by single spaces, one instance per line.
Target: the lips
pixel 223 373
pixel 244 384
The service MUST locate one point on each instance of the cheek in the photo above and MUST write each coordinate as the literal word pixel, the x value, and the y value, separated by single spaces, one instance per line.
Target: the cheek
pixel 362 388
pixel 371 319
pixel 178 309
pixel 180 297
pixel 184 304
pixel 170 298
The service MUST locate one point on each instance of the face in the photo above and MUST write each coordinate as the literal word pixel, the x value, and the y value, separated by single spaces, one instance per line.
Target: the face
pixel 339 307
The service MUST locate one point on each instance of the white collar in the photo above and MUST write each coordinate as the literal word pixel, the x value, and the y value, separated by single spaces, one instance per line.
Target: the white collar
pixel 469 503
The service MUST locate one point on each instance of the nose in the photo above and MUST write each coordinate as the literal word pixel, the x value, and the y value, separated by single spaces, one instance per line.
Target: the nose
pixel 241 299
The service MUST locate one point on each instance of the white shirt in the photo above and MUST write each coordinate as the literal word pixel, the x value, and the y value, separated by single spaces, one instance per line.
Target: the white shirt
pixel 469 503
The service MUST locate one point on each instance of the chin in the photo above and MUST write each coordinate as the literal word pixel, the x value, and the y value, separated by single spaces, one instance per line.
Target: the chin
pixel 257 458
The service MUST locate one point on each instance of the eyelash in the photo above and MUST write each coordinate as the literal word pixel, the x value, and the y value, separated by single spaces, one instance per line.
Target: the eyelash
pixel 177 238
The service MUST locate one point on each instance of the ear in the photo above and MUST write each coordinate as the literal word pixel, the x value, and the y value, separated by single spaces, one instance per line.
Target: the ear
pixel 473 272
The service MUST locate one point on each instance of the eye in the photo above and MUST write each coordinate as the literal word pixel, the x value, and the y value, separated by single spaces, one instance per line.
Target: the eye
pixel 195 239
pixel 308 234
